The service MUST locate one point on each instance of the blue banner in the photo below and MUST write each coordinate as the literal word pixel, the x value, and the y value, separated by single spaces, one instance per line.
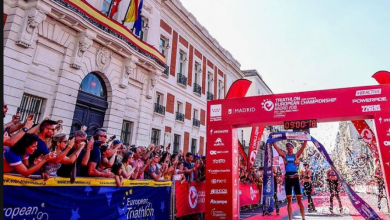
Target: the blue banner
pixel 360 205
pixel 86 202
pixel 268 180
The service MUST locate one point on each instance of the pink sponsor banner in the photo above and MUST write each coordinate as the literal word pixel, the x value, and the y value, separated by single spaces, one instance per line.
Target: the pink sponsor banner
pixel 249 194
pixel 189 200
pixel 368 136
pixel 254 144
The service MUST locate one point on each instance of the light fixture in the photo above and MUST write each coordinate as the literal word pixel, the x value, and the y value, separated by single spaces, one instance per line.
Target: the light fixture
pixel 146 27
pixel 168 46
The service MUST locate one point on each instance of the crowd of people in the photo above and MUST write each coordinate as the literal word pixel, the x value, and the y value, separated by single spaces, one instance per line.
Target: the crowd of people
pixel 44 150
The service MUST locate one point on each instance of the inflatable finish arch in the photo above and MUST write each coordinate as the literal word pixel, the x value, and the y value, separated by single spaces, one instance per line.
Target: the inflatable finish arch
pixel 356 103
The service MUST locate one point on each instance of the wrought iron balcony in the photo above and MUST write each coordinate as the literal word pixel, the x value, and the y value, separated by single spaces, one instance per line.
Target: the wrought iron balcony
pixel 210 96
pixel 166 71
pixel 179 116
pixel 159 109
pixel 181 79
pixel 197 89
pixel 195 122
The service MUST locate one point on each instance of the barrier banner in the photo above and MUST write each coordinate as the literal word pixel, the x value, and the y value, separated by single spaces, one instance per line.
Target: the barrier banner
pixel 360 205
pixel 190 200
pixel 368 136
pixel 249 194
pixel 254 144
pixel 85 202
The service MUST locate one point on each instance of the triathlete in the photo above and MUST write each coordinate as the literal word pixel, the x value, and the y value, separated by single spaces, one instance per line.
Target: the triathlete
pixel 381 184
pixel 291 177
pixel 277 172
pixel 334 188
pixel 306 181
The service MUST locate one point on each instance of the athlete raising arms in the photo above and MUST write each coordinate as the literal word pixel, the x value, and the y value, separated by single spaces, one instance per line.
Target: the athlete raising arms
pixel 291 161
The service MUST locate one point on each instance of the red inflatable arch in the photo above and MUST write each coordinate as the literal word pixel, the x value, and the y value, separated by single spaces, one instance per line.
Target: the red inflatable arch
pixel 357 103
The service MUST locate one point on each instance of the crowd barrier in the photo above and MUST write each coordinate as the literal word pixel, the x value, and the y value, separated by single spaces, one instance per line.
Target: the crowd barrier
pixel 99 198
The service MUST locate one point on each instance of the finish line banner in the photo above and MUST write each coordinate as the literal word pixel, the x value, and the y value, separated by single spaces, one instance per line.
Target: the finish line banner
pixel 360 205
pixel 85 202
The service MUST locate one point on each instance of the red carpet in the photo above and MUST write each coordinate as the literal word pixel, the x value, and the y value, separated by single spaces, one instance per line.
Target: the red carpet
pixel 282 213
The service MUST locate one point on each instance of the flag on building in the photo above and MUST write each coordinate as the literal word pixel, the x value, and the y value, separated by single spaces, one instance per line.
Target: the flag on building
pixel 132 11
pixel 114 8
pixel 138 22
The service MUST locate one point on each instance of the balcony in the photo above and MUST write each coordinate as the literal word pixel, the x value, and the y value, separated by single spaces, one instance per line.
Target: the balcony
pixel 166 72
pixel 197 89
pixel 195 122
pixel 179 116
pixel 159 109
pixel 210 96
pixel 181 79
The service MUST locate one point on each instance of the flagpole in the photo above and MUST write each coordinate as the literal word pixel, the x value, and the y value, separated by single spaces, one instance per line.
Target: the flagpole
pixel 109 9
pixel 127 11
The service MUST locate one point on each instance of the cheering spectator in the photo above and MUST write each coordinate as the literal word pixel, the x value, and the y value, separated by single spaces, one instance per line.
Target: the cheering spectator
pixel 155 172
pixel 105 162
pixel 127 170
pixel 16 158
pixel 188 165
pixel 117 171
pixel 179 176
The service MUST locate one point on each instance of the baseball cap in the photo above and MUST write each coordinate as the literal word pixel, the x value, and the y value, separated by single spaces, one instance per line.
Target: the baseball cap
pixel 289 144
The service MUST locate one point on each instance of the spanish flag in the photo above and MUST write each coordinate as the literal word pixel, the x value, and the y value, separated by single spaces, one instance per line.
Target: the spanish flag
pixel 132 12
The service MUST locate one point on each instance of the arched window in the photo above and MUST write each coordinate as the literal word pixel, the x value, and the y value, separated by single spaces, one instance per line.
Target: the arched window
pixel 94 85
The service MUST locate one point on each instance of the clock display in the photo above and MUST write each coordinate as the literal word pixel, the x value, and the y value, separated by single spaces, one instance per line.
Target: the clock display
pixel 300 124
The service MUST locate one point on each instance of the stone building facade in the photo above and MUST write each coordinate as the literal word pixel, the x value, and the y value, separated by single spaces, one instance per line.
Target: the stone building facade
pixel 66 60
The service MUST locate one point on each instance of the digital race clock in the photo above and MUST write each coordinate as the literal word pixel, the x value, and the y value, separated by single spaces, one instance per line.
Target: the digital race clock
pixel 300 124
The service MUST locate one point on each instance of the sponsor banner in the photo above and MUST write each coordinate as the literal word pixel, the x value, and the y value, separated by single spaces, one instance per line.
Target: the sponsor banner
pixel 301 136
pixel 86 202
pixel 382 125
pixel 360 205
pixel 12 180
pixel 241 151
pixel 368 136
pixel 249 194
pixel 337 104
pixel 268 179
pixel 190 200
pixel 254 145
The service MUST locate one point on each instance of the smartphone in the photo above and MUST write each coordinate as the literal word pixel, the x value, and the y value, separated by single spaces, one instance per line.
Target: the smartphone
pixel 18 110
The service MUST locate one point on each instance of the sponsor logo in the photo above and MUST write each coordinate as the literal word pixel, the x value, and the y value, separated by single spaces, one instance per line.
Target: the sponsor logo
pixel 230 111
pixel 377 99
pixel 242 110
pixel 218 142
pixel 218 191
pixel 215 152
pixel 218 181
pixel 218 161
pixel 368 92
pixel 216 112
pixel 371 108
pixel 220 214
pixel 386 143
pixel 386 120
pixel 380 120
pixel 220 132
pixel 193 197
pixel 253 193
pixel 303 136
pixel 267 105
pixel 388 163
pixel 219 171
pixel 367 135
pixel 388 132
pixel 213 201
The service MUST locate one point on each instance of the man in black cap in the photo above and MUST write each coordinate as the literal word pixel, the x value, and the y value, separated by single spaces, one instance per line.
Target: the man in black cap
pixel 306 181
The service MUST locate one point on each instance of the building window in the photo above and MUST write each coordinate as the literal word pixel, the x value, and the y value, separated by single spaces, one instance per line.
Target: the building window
pixel 176 144
pixel 106 6
pixel 30 105
pixel 182 60
pixel 144 30
pixel 127 130
pixel 163 46
pixel 198 71
pixel 220 88
pixel 158 105
pixel 209 82
pixel 193 146
pixel 92 84
pixel 155 137
pixel 179 112
pixel 195 120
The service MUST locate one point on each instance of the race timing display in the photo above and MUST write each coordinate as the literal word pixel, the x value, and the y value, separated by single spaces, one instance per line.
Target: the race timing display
pixel 300 124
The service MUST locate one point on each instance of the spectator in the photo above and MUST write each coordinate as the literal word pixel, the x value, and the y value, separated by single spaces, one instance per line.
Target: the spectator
pixel 154 172
pixel 179 176
pixel 188 165
pixel 105 162
pixel 100 137
pixel 127 170
pixel 16 125
pixel 16 158
pixel 141 164
pixel 117 171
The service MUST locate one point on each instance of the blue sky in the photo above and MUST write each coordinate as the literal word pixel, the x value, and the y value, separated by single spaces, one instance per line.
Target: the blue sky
pixel 302 45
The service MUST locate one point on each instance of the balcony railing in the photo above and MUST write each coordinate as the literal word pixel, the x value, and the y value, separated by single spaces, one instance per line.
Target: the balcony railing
pixel 159 109
pixel 195 122
pixel 210 96
pixel 181 79
pixel 166 71
pixel 197 89
pixel 179 116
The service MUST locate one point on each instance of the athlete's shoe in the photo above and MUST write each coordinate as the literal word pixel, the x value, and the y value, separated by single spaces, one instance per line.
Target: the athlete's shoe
pixel 331 210
pixel 277 211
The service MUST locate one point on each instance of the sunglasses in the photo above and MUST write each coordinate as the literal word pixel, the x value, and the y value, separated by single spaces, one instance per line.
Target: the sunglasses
pixel 105 136
pixel 63 141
